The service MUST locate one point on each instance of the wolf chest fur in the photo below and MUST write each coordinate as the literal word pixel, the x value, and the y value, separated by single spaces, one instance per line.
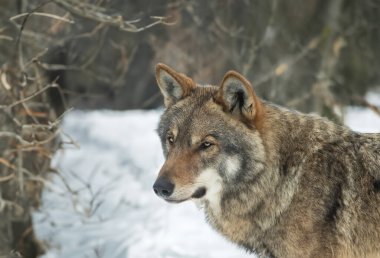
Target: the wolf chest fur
pixel 275 181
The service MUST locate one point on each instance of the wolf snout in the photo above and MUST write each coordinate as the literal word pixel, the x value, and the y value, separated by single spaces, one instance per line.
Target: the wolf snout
pixel 163 187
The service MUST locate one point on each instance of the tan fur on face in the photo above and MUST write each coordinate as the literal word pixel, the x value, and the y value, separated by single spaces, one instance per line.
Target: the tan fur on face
pixel 180 168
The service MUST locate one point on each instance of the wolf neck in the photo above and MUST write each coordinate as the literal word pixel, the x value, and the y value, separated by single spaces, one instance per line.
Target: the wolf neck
pixel 289 138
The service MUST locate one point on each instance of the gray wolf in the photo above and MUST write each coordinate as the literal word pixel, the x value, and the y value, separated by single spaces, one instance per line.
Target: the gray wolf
pixel 275 181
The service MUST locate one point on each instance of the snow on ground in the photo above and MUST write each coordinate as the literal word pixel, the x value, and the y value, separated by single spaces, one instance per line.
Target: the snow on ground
pixel 364 120
pixel 101 203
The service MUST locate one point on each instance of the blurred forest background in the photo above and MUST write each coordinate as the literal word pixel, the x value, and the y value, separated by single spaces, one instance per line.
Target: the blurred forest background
pixel 311 55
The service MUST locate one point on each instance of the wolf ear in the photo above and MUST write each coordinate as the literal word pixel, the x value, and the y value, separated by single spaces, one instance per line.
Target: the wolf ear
pixel 237 97
pixel 174 86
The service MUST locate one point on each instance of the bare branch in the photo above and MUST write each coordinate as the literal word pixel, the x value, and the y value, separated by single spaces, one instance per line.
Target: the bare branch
pixel 7 178
pixel 282 67
pixel 4 81
pixel 20 167
pixel 96 14
pixel 13 135
pixel 50 85
pixel 4 37
pixel 53 16
pixel 365 102
pixel 6 163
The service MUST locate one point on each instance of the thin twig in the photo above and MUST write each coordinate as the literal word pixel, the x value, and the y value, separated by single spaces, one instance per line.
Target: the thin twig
pixel 53 16
pixel 6 163
pixel 365 102
pixel 34 177
pixel 37 57
pixel 6 38
pixel 28 111
pixel 50 85
pixel 13 135
pixel 4 81
pixel 5 203
pixel 94 13
pixel 20 167
pixel 7 178
pixel 18 45
pixel 282 67
pixel 27 144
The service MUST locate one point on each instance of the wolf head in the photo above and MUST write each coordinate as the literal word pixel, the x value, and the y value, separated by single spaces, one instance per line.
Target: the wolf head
pixel 210 137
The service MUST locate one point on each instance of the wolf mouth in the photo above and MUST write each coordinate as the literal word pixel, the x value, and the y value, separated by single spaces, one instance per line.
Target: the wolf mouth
pixel 175 201
pixel 199 193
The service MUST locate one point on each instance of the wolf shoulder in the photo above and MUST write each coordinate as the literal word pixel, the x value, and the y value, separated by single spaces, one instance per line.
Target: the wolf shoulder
pixel 357 153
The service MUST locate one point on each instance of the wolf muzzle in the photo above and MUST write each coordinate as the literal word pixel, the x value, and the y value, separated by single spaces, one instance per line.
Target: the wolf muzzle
pixel 163 187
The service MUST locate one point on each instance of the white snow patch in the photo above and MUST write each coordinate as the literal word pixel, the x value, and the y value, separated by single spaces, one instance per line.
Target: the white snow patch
pixel 362 119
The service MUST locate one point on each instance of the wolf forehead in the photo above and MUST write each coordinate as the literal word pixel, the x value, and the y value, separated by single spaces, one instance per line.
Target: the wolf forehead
pixel 198 111
pixel 190 108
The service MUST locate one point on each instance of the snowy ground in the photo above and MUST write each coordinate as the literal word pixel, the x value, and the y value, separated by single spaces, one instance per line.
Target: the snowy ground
pixel 102 204
pixel 364 120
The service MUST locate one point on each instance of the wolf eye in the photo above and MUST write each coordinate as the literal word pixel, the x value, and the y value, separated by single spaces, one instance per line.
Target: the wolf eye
pixel 170 139
pixel 205 145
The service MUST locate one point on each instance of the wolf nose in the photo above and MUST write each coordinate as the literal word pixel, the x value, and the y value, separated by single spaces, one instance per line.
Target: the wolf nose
pixel 163 187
